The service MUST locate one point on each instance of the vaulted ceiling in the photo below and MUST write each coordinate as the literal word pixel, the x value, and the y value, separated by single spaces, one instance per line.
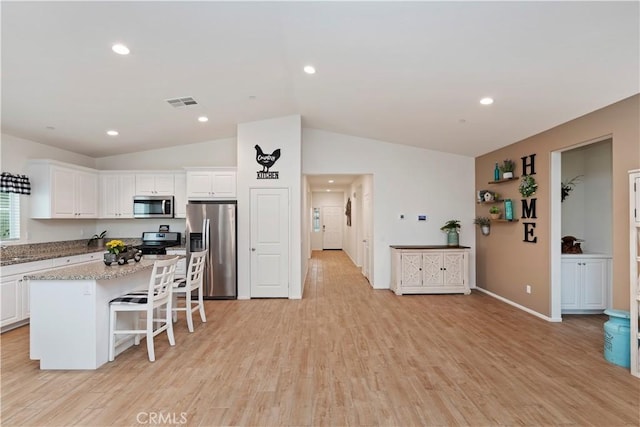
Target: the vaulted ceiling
pixel 402 72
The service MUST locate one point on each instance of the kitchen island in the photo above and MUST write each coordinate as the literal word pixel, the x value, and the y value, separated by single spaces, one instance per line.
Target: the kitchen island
pixel 70 311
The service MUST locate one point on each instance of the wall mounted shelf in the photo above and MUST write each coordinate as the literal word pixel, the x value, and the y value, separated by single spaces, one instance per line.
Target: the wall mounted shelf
pixel 500 181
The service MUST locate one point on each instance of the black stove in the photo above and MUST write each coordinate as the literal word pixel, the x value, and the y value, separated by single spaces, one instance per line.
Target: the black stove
pixel 157 243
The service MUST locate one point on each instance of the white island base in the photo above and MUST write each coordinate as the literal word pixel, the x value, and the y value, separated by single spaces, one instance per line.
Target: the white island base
pixel 70 312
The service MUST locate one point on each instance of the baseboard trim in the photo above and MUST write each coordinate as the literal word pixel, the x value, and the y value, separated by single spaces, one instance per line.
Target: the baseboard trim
pixel 518 306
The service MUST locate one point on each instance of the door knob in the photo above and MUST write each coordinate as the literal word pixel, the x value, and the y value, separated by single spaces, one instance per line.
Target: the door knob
pixel 253 249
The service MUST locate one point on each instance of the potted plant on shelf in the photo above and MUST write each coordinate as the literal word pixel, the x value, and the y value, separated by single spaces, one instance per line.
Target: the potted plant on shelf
pixel 494 212
pixel 507 167
pixel 451 227
pixel 484 224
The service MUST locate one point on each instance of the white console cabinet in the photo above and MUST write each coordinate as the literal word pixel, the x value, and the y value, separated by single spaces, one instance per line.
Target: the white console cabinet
pixel 209 184
pixel 586 282
pixel 429 270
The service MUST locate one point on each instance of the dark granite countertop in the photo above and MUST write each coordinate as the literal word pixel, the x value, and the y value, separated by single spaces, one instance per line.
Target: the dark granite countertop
pixel 18 254
pixel 428 247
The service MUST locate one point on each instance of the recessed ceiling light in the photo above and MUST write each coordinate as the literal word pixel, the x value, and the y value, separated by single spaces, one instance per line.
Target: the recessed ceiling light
pixel 309 69
pixel 112 132
pixel 486 101
pixel 120 49
pixel 331 181
pixel 203 119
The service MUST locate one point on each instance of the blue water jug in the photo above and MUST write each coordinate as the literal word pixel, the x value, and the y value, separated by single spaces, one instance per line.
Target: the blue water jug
pixel 617 349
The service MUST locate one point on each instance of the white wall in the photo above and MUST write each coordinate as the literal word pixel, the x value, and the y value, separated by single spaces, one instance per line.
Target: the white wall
pixel 219 152
pixel 587 211
pixel 14 155
pixel 406 180
pixel 283 133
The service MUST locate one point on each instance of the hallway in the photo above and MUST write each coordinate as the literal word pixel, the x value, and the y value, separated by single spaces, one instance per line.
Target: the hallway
pixel 343 355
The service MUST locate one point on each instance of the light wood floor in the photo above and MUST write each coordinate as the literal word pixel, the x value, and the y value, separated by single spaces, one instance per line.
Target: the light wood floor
pixel 343 355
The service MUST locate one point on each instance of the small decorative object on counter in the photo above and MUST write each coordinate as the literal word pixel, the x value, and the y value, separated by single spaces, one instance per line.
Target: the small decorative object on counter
pixel 118 252
pixel 451 227
pixel 507 168
pixel 508 210
pixel 571 245
pixel 97 240
pixel 496 173
pixel 484 224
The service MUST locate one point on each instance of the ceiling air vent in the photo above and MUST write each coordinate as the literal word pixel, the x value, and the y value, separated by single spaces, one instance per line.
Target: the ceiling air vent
pixel 182 102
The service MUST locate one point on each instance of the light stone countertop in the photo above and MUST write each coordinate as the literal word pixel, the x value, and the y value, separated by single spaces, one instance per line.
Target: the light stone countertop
pixel 98 270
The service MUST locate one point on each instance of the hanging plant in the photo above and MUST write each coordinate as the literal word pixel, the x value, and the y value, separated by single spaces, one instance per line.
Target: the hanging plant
pixel 567 187
pixel 528 186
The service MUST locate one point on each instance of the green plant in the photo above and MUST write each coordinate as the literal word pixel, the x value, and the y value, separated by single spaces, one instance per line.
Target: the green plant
pixel 97 236
pixel 507 165
pixel 482 221
pixel 116 246
pixel 452 224
pixel 567 187
pixel 528 186
pixel 494 210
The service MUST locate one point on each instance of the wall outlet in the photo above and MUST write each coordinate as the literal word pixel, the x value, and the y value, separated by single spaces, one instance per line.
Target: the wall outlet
pixel 528 289
pixel 81 232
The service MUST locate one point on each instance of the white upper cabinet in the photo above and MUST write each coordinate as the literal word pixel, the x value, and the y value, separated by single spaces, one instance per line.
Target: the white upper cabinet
pixel 155 184
pixel 180 199
pixel 62 191
pixel 116 195
pixel 203 184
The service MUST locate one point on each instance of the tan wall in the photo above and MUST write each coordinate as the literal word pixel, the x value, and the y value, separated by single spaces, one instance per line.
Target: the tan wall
pixel 506 264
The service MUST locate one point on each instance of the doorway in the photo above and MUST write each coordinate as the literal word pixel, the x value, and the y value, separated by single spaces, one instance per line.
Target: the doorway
pixel 581 207
pixel 331 218
pixel 269 215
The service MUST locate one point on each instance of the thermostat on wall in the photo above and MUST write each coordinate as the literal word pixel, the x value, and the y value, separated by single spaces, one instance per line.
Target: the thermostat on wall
pixel 422 217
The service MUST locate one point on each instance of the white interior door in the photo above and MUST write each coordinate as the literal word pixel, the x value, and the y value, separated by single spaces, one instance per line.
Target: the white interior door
pixel 366 243
pixel 269 213
pixel 331 227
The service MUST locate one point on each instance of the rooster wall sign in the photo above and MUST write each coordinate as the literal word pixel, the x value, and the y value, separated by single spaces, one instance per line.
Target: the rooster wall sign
pixel 266 161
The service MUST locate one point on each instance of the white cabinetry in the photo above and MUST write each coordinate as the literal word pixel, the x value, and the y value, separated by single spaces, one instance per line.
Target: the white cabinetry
pixel 429 270
pixel 585 283
pixel 15 293
pixel 634 249
pixel 155 184
pixel 203 184
pixel 116 195
pixel 181 268
pixel 15 289
pixel 180 199
pixel 62 191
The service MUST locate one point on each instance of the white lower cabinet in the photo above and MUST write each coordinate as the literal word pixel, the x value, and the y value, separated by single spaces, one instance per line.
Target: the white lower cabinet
pixel 586 283
pixel 429 270
pixel 14 289
pixel 14 293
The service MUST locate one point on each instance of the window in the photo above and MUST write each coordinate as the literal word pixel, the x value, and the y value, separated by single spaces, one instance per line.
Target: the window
pixel 316 220
pixel 9 216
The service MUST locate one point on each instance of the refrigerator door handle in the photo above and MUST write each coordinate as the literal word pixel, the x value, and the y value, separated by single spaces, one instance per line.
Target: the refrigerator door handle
pixel 205 233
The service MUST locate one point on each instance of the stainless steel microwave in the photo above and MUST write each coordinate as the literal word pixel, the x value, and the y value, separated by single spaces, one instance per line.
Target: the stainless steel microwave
pixel 153 206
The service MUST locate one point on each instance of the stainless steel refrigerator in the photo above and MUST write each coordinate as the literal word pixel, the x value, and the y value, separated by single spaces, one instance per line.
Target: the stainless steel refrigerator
pixel 213 226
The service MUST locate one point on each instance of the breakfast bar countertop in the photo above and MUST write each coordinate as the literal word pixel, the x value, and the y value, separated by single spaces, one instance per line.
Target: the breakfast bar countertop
pixel 97 270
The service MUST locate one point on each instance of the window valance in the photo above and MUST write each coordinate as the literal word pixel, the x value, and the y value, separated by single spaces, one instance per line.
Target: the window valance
pixel 10 183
